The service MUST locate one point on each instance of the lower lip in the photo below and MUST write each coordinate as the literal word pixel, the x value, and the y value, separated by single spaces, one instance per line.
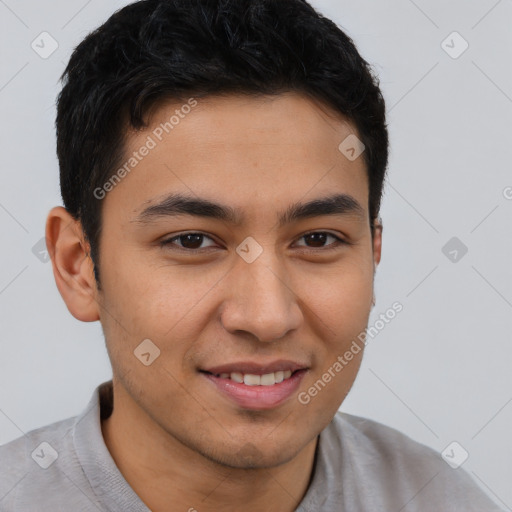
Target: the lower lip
pixel 257 397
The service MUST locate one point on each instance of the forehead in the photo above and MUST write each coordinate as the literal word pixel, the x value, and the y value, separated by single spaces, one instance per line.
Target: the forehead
pixel 255 152
pixel 290 118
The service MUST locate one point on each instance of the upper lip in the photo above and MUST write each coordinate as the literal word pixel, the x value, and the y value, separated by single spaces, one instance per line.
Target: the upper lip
pixel 256 368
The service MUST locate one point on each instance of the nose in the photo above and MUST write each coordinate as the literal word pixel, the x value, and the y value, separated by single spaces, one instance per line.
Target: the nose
pixel 261 301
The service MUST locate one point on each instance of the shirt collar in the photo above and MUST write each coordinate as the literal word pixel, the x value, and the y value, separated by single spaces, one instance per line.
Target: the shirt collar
pixel 107 482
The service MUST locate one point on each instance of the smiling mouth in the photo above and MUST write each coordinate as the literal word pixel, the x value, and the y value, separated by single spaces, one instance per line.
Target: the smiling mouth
pixel 252 379
pixel 256 391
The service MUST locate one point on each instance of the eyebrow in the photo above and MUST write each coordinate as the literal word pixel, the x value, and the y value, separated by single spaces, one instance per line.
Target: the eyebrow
pixel 179 204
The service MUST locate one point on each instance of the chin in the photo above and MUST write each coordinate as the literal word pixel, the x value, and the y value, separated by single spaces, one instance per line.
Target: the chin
pixel 253 456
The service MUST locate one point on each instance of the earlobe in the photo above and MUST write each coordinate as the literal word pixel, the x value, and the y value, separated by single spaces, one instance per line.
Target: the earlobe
pixel 72 265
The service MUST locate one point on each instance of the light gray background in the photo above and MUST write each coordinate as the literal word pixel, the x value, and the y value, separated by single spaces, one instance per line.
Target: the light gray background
pixel 441 370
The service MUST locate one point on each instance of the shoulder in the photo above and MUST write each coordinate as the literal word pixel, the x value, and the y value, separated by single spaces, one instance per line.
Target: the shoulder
pixel 41 459
pixel 34 447
pixel 398 470
pixel 391 445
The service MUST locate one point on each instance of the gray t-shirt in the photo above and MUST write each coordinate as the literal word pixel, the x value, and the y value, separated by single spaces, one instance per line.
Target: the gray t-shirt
pixel 360 466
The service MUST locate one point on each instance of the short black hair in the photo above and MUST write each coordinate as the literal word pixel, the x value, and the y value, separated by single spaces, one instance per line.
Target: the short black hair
pixel 158 50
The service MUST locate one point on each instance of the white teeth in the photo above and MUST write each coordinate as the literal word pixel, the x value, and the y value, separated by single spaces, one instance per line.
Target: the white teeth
pixel 250 379
pixel 268 379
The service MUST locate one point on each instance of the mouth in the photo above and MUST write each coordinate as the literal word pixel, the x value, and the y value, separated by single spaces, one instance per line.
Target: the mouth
pixel 256 387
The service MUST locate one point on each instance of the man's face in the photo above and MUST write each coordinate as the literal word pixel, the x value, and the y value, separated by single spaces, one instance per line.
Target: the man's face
pixel 207 304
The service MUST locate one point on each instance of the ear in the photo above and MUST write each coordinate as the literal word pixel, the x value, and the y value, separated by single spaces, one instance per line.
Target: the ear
pixel 377 247
pixel 377 241
pixel 72 265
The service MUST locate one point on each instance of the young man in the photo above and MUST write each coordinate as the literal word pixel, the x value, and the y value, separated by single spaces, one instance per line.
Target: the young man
pixel 222 165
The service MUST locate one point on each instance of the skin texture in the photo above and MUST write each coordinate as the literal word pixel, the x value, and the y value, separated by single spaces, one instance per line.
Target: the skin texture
pixel 176 439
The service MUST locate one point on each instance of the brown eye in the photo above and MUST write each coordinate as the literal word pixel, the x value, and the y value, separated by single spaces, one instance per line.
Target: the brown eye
pixel 319 238
pixel 187 241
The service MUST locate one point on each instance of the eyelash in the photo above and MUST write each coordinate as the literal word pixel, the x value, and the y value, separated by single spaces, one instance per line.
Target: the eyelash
pixel 169 242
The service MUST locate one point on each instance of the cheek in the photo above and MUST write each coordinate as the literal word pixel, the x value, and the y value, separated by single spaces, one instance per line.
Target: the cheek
pixel 342 298
pixel 324 392
pixel 153 300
